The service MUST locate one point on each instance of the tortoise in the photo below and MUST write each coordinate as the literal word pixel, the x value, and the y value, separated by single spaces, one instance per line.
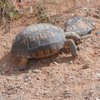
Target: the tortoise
pixel 41 41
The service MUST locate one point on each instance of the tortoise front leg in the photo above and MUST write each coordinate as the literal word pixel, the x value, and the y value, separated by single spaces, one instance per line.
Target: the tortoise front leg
pixel 22 63
pixel 72 47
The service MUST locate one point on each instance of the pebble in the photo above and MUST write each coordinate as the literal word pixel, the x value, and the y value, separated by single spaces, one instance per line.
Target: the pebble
pixel 38 78
pixel 35 71
pixel 45 79
pixel 97 33
pixel 97 75
pixel 96 16
pixel 27 78
pixel 85 66
pixel 67 94
pixel 55 63
pixel 37 94
pixel 70 62
pixel 97 99
pixel 79 62
pixel 2 98
pixel 45 92
pixel 97 88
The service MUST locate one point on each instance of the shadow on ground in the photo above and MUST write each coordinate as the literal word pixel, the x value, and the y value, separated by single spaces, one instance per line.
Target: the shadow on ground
pixel 9 64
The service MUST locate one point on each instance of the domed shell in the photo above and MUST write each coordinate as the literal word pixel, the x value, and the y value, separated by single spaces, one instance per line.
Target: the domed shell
pixel 38 41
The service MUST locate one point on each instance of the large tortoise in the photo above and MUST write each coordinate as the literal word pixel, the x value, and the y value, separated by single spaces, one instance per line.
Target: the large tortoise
pixel 40 41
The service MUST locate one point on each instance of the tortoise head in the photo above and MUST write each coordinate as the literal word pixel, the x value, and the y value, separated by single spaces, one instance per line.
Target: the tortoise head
pixel 74 36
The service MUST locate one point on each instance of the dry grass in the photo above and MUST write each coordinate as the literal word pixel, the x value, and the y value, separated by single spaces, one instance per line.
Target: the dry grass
pixel 7 13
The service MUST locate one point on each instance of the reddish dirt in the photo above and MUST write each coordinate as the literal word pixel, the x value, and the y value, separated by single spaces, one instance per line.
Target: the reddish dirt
pixel 54 78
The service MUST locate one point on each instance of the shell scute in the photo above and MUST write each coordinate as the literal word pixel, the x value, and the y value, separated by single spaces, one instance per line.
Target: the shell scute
pixel 38 41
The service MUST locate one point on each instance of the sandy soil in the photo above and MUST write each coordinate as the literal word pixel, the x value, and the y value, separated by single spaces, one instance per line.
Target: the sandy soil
pixel 54 78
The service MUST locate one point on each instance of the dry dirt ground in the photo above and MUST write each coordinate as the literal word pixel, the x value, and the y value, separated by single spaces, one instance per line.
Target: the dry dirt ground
pixel 54 78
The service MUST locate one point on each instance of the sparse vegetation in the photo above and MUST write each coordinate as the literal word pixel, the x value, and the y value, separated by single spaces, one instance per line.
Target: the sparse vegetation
pixel 59 77
pixel 7 10
pixel 51 11
pixel 41 12
pixel 7 13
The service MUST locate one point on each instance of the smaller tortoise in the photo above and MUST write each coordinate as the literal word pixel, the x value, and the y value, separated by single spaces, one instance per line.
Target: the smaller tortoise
pixel 40 41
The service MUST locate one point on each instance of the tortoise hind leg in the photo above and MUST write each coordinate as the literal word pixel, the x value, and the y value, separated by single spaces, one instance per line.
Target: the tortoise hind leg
pixel 72 47
pixel 23 63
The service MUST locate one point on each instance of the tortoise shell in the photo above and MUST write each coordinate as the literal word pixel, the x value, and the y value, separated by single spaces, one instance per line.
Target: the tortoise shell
pixel 38 41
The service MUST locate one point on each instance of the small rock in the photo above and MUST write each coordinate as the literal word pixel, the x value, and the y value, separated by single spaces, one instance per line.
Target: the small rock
pixel 35 71
pixel 67 94
pixel 80 25
pixel 45 79
pixel 97 99
pixel 97 87
pixel 85 66
pixel 70 62
pixel 2 98
pixel 97 33
pixel 78 62
pixel 27 78
pixel 45 92
pixel 56 63
pixel 97 75
pixel 37 94
pixel 89 1
pixel 38 78
pixel 96 16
